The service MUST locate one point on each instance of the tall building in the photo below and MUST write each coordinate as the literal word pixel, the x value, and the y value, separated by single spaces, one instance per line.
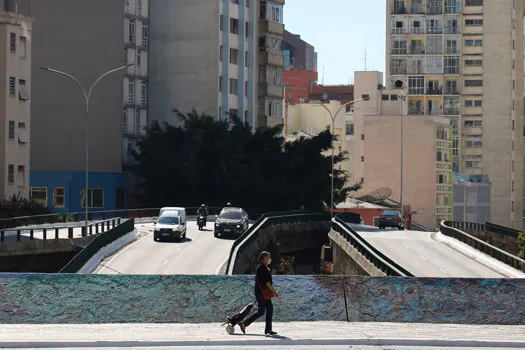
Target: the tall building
pixel 221 58
pixel 15 104
pixel 464 60
pixel 68 40
pixel 371 133
pixel 298 54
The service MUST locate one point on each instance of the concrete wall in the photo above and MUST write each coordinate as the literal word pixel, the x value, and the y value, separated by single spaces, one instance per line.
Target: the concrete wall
pixel 64 42
pixel 184 61
pixel 56 299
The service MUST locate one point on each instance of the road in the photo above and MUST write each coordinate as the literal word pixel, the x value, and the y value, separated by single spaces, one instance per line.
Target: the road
pixel 284 347
pixel 199 254
pixel 423 256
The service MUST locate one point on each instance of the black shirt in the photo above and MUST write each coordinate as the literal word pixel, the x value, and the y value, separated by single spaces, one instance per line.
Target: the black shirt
pixel 262 277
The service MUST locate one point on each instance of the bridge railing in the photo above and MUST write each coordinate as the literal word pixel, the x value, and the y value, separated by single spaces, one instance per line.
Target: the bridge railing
pixel 380 260
pixel 116 232
pixel 448 228
pixel 77 218
pixel 55 232
pixel 264 221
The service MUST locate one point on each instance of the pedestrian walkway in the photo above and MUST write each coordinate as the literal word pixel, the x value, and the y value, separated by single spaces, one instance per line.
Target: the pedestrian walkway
pixel 318 334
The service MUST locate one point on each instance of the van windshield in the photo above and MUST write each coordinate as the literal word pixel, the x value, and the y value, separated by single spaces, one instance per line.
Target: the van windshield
pixel 169 220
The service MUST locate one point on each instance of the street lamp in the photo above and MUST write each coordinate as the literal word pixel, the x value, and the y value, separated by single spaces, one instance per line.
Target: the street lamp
pixel 87 97
pixel 333 117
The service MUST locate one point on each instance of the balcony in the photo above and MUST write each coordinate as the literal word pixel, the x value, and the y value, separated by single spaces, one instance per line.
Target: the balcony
pixel 435 91
pixel 434 10
pixel 399 31
pixel 271 27
pixel 399 51
pixel 451 111
pixel 416 111
pixel 451 30
pixel 269 58
pixel 451 92
pixel 399 71
pixel 417 50
pixel 267 90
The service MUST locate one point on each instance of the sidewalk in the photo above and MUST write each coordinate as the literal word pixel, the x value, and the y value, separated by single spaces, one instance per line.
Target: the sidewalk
pixel 292 334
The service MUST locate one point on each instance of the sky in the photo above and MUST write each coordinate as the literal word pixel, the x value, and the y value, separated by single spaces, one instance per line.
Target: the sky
pixel 340 31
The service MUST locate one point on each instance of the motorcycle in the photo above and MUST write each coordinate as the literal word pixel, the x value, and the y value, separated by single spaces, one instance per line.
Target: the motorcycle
pixel 201 221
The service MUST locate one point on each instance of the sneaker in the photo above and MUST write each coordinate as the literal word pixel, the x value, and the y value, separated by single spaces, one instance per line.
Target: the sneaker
pixel 270 332
pixel 243 327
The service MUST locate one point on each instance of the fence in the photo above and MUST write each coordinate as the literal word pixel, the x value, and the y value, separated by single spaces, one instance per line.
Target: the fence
pixel 57 232
pixel 380 260
pixel 98 243
pixel 487 227
pixel 450 229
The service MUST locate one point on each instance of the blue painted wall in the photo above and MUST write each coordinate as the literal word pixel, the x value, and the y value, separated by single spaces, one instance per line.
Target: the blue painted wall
pixel 73 183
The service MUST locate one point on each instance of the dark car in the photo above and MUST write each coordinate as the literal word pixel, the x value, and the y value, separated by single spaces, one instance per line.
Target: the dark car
pixel 391 218
pixel 231 222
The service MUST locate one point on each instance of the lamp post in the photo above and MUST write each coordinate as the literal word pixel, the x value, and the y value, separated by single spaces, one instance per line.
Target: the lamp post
pixel 333 117
pixel 87 97
pixel 401 99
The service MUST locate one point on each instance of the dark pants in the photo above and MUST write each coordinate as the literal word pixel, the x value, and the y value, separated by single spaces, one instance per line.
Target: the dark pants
pixel 264 306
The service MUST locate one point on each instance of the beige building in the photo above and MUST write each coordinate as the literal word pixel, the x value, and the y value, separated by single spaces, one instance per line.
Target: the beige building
pixel 220 58
pixel 464 60
pixel 15 103
pixel 371 134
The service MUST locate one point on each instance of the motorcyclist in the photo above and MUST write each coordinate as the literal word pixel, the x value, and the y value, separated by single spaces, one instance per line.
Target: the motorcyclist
pixel 203 210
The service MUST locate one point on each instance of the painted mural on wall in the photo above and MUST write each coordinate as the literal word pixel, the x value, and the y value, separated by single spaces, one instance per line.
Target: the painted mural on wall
pixel 198 299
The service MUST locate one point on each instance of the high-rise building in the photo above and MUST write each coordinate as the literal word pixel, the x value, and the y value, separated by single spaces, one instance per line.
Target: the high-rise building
pixel 464 60
pixel 87 39
pixel 15 104
pixel 221 58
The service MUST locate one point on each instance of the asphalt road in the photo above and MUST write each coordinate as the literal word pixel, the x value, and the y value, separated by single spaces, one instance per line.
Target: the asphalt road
pixel 199 254
pixel 423 256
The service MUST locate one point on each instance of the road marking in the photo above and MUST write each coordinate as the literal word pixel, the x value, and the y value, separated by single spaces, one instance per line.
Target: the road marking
pixel 115 256
pixel 443 272
pixel 423 258
pixel 218 271
pixel 165 262
pixel 406 246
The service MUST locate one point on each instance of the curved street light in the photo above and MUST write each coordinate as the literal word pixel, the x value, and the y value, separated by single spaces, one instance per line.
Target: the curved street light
pixel 87 97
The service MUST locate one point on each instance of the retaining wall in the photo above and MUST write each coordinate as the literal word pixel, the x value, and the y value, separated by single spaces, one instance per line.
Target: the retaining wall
pixel 34 299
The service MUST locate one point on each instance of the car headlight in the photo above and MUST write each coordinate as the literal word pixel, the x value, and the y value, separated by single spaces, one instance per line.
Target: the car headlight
pixel 238 226
pixel 176 229
pixel 216 224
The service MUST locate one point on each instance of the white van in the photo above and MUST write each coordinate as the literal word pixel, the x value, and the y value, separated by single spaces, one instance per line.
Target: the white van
pixel 175 211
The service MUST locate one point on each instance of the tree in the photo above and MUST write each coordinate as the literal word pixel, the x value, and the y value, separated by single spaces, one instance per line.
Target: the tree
pixel 16 206
pixel 210 161
pixel 521 245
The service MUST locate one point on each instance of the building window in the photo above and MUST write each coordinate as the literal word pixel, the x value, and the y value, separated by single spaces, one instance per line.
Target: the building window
pixel 23 93
pixel 473 144
pixel 349 130
pixel 232 115
pixel 144 93
pixel 23 47
pixel 385 97
pixel 474 42
pixel 474 63
pixel 12 42
pixel 21 175
pixel 145 34
pixel 245 117
pixel 451 64
pixel 473 103
pixel 38 195
pixel 234 89
pixel 95 198
pixel 271 11
pixel 474 83
pixel 125 123
pixel 474 3
pixel 10 174
pixel 246 29
pixel 131 30
pixel 220 83
pixel 137 122
pixel 416 85
pixel 362 158
pixel 473 164
pixel 246 59
pixel 220 53
pixel 474 22
pixel 234 26
pixel 234 56
pixel 270 43
pixel 221 22
pixel 11 130
pixel 12 86
pixel 246 88
pixel 131 91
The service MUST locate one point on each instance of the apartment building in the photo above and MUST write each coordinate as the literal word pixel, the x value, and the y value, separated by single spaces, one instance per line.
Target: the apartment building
pixel 298 54
pixel 221 58
pixel 371 133
pixel 464 60
pixel 15 102
pixel 68 40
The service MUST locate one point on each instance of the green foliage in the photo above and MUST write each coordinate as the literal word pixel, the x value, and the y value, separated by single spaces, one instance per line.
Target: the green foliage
pixel 211 161
pixel 521 245
pixel 16 206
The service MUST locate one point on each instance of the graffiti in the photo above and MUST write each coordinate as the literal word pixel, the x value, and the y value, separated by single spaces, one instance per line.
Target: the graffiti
pixel 195 299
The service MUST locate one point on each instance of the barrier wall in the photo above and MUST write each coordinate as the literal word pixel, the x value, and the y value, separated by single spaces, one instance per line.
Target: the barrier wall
pixel 208 299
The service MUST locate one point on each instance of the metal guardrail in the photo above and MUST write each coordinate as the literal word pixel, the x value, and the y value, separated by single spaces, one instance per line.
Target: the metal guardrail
pixel 448 229
pixel 380 260
pixel 98 243
pixel 264 221
pixel 486 227
pixel 502 230
pixel 56 232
